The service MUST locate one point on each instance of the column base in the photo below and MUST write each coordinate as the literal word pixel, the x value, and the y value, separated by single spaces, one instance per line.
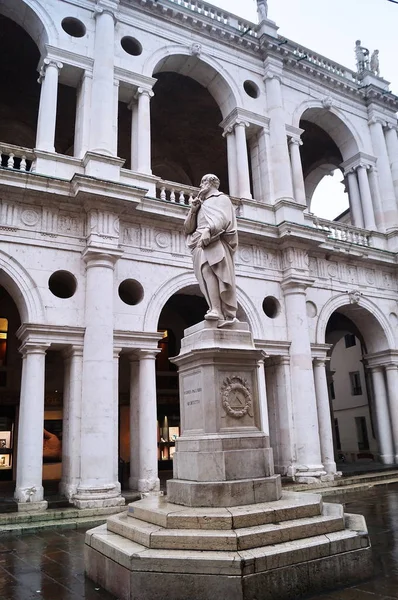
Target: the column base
pixel 311 474
pixel 98 497
pixel 387 459
pixel 32 506
pixel 29 495
pixel 68 490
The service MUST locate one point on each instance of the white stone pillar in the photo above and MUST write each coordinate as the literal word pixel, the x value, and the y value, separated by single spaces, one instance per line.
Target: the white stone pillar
pixel 384 434
pixel 46 121
pixel 392 387
pixel 387 193
pixel 133 106
pixel 242 160
pixel 309 464
pixel 366 198
pixel 355 199
pixel 262 397
pixel 144 473
pixel 376 199
pixel 29 485
pixel 287 449
pixel 144 131
pixel 324 416
pixel 116 356
pixel 391 138
pixel 297 171
pixel 83 115
pixel 71 434
pixel 279 152
pixel 98 486
pixel 229 134
pixel 102 97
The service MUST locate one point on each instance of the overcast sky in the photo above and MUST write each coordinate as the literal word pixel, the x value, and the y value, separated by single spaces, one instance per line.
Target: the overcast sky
pixel 330 27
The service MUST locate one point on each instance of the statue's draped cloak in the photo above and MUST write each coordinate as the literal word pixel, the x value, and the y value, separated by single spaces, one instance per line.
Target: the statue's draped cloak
pixel 218 215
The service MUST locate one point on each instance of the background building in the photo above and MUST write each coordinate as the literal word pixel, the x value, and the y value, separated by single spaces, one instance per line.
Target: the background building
pixel 136 100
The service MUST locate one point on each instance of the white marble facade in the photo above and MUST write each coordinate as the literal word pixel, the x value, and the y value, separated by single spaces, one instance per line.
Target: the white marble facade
pixel 102 223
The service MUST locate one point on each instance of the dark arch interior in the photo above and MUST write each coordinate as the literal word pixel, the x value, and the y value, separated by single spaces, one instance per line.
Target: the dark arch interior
pixel 318 148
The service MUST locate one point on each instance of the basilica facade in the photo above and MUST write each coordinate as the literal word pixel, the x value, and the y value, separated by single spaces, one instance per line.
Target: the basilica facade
pixel 111 112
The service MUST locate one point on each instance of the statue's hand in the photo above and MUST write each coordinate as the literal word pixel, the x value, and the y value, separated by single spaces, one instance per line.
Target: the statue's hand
pixel 205 239
pixel 195 204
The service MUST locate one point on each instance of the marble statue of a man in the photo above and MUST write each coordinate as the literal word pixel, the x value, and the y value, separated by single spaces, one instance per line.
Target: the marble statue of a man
pixel 262 10
pixel 374 63
pixel 212 237
pixel 362 56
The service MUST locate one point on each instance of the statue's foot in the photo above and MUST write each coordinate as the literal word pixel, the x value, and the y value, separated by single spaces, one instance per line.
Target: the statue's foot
pixel 213 315
pixel 227 321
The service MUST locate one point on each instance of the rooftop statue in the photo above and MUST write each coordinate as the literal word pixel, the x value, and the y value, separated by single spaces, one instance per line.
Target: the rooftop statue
pixel 374 63
pixel 362 56
pixel 212 237
pixel 262 10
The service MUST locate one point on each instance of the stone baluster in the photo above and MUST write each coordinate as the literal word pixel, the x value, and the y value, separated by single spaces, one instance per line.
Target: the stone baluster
pixel 71 435
pixel 229 134
pixel 355 199
pixel 98 486
pixel 384 434
pixel 366 197
pixel 144 130
pixel 324 416
pixel 103 96
pixel 297 171
pixel 46 121
pixel 392 387
pixel 242 160
pixel 391 137
pixel 29 485
pixel 386 185
pixel 279 152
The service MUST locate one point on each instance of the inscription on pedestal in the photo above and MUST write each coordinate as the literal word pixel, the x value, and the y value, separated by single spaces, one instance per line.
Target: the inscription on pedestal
pixel 192 399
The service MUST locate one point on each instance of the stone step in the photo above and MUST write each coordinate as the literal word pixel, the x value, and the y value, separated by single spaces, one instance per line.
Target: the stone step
pixel 137 557
pixel 55 516
pixel 34 526
pixel 158 511
pixel 231 540
pixel 365 479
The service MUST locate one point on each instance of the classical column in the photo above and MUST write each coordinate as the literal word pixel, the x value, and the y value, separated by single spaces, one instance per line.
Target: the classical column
pixel 384 434
pixel 324 416
pixel 355 199
pixel 242 160
pixel 46 121
pixel 262 397
pixel 391 138
pixel 143 423
pixel 366 198
pixel 387 193
pixel 285 415
pixel 29 486
pixel 71 435
pixel 229 134
pixel 376 199
pixel 116 356
pixel 279 152
pixel 133 106
pixel 98 485
pixel 83 113
pixel 102 98
pixel 392 387
pixel 309 463
pixel 297 171
pixel 144 131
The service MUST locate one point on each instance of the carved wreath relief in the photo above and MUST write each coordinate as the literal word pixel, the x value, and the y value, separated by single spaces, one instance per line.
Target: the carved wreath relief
pixel 236 397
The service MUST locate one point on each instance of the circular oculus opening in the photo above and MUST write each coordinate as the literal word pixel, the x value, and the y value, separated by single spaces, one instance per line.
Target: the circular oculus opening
pixel 73 27
pixel 131 292
pixel 62 284
pixel 251 89
pixel 271 307
pixel 131 45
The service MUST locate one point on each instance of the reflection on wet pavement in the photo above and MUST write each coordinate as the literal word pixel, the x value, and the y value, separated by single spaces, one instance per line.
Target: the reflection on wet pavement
pixel 50 565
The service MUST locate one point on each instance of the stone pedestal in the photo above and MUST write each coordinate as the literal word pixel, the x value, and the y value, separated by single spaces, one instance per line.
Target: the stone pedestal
pixel 222 457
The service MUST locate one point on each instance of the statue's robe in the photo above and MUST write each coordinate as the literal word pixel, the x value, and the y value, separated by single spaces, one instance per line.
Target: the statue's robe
pixel 217 214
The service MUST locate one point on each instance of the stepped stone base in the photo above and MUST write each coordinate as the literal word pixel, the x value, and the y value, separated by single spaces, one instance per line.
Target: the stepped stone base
pixel 266 551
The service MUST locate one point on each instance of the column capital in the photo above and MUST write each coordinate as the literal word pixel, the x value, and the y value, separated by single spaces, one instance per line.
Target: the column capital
pixel 48 62
pixel 147 353
pixel 392 366
pixel 374 120
pixel 96 257
pixel 228 130
pixel 240 122
pixel 319 361
pixel 296 284
pixel 72 352
pixel 391 126
pixel 269 75
pixel 294 141
pixel 141 91
pixel 30 347
pixel 106 7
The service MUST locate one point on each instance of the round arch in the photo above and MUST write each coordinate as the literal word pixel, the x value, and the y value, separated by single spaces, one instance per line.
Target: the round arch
pixel 33 18
pixel 21 287
pixel 317 173
pixel 334 122
pixel 185 280
pixel 204 69
pixel 365 314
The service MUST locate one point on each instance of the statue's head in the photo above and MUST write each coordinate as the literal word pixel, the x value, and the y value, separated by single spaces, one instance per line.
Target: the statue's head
pixel 209 181
pixel 358 43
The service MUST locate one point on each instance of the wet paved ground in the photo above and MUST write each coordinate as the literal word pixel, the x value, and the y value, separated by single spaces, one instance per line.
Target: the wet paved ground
pixel 49 565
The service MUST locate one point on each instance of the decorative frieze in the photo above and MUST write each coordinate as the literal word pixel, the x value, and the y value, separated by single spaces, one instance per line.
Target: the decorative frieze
pixel 322 268
pixel 41 219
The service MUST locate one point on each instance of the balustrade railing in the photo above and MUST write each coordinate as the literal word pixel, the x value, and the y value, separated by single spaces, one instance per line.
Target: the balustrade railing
pixel 175 193
pixel 343 233
pixel 16 157
pixel 320 61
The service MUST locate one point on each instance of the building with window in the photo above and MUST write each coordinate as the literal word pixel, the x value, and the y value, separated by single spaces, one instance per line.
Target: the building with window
pixel 110 113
